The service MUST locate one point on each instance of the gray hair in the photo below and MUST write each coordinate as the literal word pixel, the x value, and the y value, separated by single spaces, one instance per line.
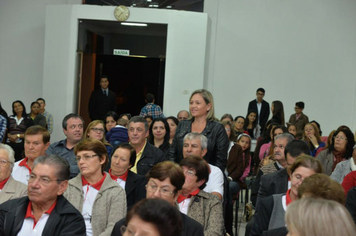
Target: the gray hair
pixel 59 163
pixel 10 153
pixel 203 139
pixel 287 136
pixel 139 119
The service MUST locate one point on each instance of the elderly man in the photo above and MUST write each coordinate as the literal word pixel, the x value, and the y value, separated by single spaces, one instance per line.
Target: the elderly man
pixel 196 144
pixel 9 187
pixel 36 143
pixel 73 128
pixel 183 115
pixel 45 211
pixel 147 155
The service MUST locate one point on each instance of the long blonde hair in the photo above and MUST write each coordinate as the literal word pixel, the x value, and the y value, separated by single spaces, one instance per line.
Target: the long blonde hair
pixel 319 217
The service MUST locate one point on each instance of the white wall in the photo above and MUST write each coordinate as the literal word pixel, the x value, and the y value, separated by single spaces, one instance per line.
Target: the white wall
pixel 185 56
pixel 297 50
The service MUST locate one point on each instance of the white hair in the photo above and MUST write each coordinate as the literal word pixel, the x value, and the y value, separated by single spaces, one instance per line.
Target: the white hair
pixel 10 153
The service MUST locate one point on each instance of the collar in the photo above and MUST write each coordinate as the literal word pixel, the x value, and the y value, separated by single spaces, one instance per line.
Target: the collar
pixel 24 163
pixel 181 198
pixel 2 183
pixel 29 213
pixel 288 199
pixel 97 185
pixel 123 177
pixel 352 164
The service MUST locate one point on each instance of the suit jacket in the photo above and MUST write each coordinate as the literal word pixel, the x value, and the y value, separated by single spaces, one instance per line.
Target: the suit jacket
pixel 64 219
pixel 100 104
pixel 150 157
pixel 351 203
pixel 263 115
pixel 134 188
pixel 190 227
pixel 12 189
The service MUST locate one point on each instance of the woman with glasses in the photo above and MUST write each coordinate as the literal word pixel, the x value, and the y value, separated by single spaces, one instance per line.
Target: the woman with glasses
pixel 96 130
pixel 101 200
pixel 153 217
pixel 201 206
pixel 340 149
pixel 270 210
pixel 123 158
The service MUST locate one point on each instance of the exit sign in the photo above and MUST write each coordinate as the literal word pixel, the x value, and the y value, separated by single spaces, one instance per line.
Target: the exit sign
pixel 121 52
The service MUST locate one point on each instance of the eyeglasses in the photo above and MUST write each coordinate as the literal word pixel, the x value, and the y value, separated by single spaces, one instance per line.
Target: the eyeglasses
pixel 98 130
pixel 130 232
pixel 189 172
pixel 340 137
pixel 163 191
pixel 85 157
pixel 3 162
pixel 43 180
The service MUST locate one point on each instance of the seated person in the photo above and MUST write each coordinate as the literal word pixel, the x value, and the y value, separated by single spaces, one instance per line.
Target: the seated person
pixel 118 134
pixel 201 206
pixel 312 138
pixel 343 168
pixel 9 187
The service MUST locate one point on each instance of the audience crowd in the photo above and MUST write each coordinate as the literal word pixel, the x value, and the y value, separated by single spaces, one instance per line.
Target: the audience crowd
pixel 152 175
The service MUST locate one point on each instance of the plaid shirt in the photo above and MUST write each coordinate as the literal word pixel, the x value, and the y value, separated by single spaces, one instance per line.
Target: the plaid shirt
pixel 49 119
pixel 3 123
pixel 151 110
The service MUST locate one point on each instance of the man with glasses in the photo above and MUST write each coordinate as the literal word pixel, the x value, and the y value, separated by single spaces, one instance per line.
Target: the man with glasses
pixel 261 106
pixel 183 115
pixel 72 125
pixel 9 187
pixel 36 143
pixel 164 181
pixel 45 211
pixel 299 119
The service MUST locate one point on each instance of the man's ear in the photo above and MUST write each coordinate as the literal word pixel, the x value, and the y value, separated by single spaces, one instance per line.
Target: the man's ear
pixel 204 151
pixel 62 187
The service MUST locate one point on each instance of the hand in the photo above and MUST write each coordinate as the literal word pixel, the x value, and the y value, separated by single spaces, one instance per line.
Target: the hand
pixel 12 137
pixel 313 140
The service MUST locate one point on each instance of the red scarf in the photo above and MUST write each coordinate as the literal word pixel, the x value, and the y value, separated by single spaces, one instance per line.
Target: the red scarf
pixel 97 185
pixel 123 177
pixel 2 183
pixel 181 198
pixel 24 163
pixel 288 199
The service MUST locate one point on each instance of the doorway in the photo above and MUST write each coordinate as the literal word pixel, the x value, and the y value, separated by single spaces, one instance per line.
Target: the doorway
pixel 130 77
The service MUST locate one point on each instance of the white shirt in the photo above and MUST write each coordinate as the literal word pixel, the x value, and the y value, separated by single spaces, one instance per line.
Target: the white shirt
pixel 121 182
pixel 184 205
pixel 28 229
pixel 89 198
pixel 216 181
pixel 20 173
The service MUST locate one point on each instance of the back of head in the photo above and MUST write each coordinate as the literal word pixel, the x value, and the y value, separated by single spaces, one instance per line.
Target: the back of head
pixel 150 98
pixel 322 186
pixel 296 148
pixel 319 217
pixel 308 162
pixel 165 217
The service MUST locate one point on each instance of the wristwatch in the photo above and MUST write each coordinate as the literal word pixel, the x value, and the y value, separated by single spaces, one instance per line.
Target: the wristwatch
pixel 18 135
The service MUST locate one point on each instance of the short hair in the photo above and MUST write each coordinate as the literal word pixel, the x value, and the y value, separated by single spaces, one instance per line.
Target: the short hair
pixel 208 98
pixel 67 117
pixel 322 186
pixel 237 117
pixel 227 115
pixel 113 114
pixel 319 217
pixel 164 216
pixel 37 129
pixel 125 114
pixel 201 137
pixel 95 146
pixel 300 104
pixel 232 133
pixel 168 169
pixel 287 136
pixel 33 103
pixel 150 97
pixel 10 153
pixel 296 148
pixel 104 77
pixel 182 111
pixel 41 99
pixel 122 122
pixel 139 119
pixel 260 90
pixel 307 161
pixel 60 164
pixel 91 125
pixel 200 166
pixel 132 150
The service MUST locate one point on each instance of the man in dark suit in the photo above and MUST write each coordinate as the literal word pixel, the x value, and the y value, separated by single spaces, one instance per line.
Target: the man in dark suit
pixel 102 100
pixel 261 106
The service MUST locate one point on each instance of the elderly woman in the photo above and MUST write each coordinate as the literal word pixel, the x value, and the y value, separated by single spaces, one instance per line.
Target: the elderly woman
pixel 10 188
pixel 340 149
pixel 100 199
pixel 123 158
pixel 202 121
pixel 201 206
pixel 270 210
pixel 165 180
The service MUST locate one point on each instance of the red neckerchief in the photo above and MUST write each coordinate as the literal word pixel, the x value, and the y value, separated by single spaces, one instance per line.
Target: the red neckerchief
pixel 97 185
pixel 288 199
pixel 123 177
pixel 181 198
pixel 24 163
pixel 30 215
pixel 2 183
